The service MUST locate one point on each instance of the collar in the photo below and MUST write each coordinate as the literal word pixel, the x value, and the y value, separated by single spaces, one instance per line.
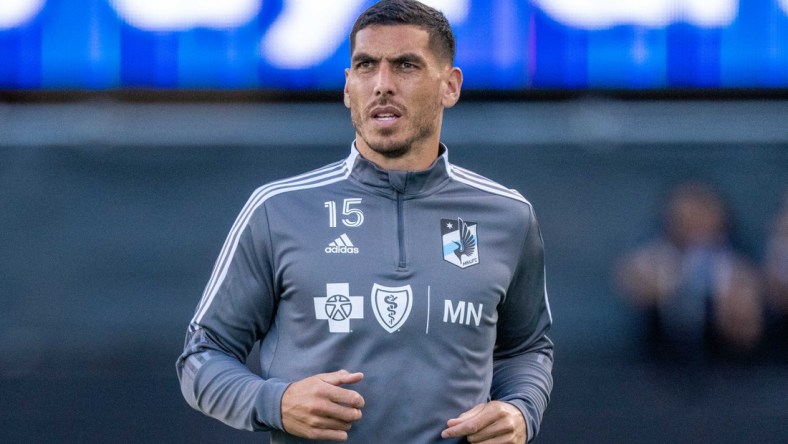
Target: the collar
pixel 393 182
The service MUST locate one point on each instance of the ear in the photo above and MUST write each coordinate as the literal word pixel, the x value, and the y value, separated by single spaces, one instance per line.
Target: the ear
pixel 453 85
pixel 346 92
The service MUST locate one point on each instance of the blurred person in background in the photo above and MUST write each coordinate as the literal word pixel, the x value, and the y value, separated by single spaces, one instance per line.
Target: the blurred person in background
pixel 701 295
pixel 775 270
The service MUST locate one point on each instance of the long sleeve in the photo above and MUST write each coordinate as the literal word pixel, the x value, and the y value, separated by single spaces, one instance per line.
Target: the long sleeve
pixel 523 357
pixel 236 310
pixel 304 296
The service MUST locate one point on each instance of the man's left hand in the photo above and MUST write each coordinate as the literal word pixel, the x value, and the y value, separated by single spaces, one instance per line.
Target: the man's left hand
pixel 491 423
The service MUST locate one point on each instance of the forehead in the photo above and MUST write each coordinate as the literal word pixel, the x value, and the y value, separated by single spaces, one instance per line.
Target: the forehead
pixel 391 40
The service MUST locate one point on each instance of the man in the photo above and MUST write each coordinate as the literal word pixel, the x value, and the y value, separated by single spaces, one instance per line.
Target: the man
pixel 700 293
pixel 423 280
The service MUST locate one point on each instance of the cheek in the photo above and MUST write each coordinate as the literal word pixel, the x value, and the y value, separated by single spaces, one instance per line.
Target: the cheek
pixel 355 116
pixel 429 101
pixel 354 92
pixel 430 93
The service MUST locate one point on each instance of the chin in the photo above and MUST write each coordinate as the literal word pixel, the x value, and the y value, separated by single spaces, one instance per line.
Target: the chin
pixel 391 151
pixel 387 147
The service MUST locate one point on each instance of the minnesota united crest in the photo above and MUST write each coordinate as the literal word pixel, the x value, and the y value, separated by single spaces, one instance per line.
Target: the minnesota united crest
pixel 460 243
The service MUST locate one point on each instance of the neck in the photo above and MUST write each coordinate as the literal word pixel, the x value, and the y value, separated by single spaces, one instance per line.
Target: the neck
pixel 413 160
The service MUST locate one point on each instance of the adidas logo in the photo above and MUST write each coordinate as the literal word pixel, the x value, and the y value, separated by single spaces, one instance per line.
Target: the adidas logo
pixel 341 245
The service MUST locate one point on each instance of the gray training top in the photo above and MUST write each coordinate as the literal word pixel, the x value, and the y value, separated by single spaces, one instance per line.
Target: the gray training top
pixel 431 283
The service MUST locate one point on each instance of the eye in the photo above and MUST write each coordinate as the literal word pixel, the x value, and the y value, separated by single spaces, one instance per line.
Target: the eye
pixel 364 64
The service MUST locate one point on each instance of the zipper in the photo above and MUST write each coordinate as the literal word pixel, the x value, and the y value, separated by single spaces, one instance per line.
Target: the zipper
pixel 403 258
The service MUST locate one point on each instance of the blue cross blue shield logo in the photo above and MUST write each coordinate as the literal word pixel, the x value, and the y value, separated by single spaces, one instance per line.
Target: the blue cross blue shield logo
pixel 391 305
pixel 339 307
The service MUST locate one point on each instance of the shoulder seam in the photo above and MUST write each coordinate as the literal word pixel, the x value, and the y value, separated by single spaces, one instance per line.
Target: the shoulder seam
pixel 484 184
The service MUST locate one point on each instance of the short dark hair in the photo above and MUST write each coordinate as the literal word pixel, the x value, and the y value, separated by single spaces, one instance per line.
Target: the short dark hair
pixel 410 12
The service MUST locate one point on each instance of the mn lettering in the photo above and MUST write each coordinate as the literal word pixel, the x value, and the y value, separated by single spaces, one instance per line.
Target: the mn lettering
pixel 463 313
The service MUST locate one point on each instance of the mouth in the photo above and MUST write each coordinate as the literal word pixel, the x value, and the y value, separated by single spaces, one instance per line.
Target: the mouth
pixel 385 115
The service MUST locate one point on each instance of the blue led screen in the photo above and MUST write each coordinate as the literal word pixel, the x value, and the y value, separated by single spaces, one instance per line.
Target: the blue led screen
pixel 302 44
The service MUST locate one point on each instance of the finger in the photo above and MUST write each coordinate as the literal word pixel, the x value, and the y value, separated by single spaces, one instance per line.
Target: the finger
pixel 340 395
pixel 323 420
pixel 326 435
pixel 470 423
pixel 344 397
pixel 329 423
pixel 466 415
pixel 504 423
pixel 495 440
pixel 352 378
pixel 495 432
pixel 464 428
pixel 340 411
pixel 317 426
pixel 479 433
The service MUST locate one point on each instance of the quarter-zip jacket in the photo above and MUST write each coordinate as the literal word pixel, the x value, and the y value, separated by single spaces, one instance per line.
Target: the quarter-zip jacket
pixel 429 282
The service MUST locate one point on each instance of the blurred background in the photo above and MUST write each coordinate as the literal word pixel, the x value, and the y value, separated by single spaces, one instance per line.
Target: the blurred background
pixel 651 137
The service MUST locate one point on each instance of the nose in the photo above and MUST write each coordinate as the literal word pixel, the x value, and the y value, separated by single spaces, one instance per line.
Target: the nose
pixel 384 85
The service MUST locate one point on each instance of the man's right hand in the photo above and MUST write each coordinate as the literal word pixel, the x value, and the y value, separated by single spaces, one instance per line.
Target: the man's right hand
pixel 318 408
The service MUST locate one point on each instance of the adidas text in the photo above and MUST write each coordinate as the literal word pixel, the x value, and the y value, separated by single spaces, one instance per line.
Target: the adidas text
pixel 343 250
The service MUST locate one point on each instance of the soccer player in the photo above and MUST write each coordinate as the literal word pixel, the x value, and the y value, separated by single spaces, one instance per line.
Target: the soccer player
pixel 396 297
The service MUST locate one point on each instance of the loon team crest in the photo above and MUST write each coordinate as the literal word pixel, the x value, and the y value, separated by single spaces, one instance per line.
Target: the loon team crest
pixel 460 242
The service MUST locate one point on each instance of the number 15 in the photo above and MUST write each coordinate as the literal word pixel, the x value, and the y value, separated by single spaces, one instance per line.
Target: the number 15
pixel 355 216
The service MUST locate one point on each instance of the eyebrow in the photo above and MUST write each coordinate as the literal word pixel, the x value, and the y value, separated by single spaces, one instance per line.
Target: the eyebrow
pixel 409 57
pixel 406 57
pixel 362 56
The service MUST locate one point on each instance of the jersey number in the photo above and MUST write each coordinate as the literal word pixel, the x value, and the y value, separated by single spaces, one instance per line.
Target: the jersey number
pixel 355 217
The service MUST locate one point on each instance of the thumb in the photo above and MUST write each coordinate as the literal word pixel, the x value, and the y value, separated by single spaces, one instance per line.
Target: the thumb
pixel 341 377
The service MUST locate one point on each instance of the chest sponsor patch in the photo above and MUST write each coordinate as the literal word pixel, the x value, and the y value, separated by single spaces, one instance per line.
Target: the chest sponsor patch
pixel 339 307
pixel 391 305
pixel 460 242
